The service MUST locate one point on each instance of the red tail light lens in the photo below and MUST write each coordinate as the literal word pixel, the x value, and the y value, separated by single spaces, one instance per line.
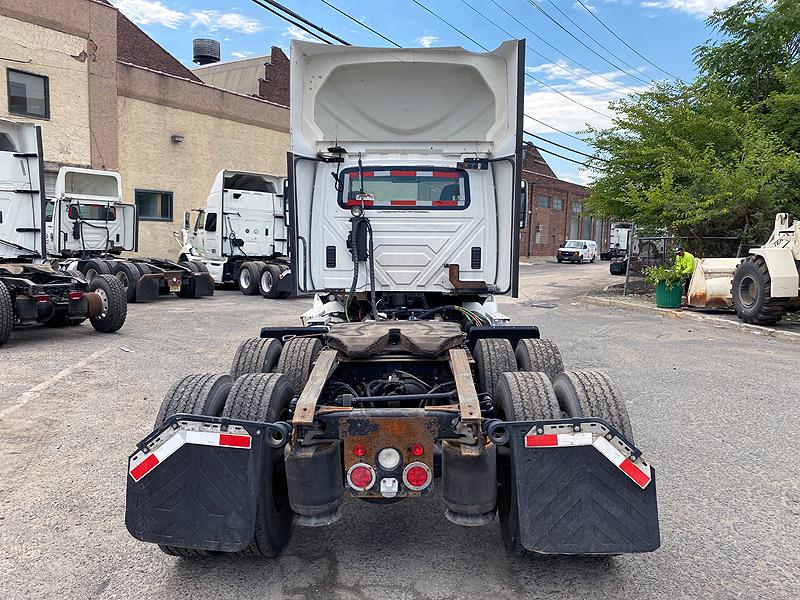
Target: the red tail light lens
pixel 361 477
pixel 42 298
pixel 359 450
pixel 75 295
pixel 417 450
pixel 417 476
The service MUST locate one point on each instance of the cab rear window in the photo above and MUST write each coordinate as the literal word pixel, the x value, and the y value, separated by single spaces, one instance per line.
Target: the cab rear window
pixel 404 188
pixel 92 212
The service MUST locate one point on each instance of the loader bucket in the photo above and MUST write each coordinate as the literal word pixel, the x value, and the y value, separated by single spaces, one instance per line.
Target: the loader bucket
pixel 581 488
pixel 194 482
pixel 710 286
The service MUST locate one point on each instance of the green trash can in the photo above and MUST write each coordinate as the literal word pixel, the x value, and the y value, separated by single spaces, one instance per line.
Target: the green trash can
pixel 667 297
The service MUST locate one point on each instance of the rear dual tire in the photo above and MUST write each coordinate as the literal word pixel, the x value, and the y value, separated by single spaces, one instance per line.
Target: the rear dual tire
pixel 6 314
pixel 249 275
pixel 256 355
pixel 114 302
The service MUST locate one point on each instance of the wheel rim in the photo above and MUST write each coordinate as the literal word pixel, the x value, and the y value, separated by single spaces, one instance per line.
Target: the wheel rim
pixel 266 281
pixel 104 298
pixel 748 291
pixel 123 279
pixel 244 278
pixel 90 274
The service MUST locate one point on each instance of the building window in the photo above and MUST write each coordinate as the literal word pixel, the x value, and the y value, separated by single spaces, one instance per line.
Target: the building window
pixel 558 204
pixel 543 202
pixel 577 207
pixel 537 238
pixel 153 205
pixel 28 94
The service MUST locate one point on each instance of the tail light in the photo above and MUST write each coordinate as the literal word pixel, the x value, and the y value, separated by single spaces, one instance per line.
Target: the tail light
pixel 417 476
pixel 76 295
pixel 42 298
pixel 361 477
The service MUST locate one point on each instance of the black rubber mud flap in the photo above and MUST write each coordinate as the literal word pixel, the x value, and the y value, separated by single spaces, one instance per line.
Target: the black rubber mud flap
pixel 573 500
pixel 146 290
pixel 200 495
pixel 203 285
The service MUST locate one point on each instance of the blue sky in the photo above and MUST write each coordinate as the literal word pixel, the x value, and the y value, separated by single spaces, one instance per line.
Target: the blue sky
pixel 582 77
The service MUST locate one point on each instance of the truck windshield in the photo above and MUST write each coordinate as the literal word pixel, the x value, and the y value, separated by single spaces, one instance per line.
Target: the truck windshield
pixel 573 244
pixel 92 212
pixel 405 188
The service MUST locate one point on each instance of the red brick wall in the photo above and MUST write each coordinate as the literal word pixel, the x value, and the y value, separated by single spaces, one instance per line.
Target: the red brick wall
pixel 275 85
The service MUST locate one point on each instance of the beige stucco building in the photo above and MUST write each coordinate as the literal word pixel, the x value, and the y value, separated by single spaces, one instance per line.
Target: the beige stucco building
pixel 107 96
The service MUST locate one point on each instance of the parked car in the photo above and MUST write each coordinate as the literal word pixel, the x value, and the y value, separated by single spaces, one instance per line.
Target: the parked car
pixel 577 251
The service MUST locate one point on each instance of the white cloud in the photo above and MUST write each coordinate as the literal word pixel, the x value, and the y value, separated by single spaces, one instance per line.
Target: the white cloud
pixel 426 41
pixel 214 20
pixel 147 12
pixel 591 7
pixel 696 8
pixel 243 54
pixel 296 33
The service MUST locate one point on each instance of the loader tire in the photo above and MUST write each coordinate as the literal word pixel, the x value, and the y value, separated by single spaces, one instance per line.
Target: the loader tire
pixel 752 293
pixel 195 395
pixel 297 359
pixel 93 268
pixel 249 275
pixel 518 397
pixel 493 357
pixel 129 275
pixel 593 394
pixel 6 314
pixel 256 355
pixel 266 397
pixel 115 304
pixel 539 355
pixel 268 282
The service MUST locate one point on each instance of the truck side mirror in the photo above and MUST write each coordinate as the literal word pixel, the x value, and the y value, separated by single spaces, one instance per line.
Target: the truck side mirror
pixel 186 220
pixel 523 205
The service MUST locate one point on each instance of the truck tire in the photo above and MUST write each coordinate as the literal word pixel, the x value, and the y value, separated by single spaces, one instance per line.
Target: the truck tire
pixel 115 305
pixel 256 355
pixel 493 357
pixel 752 293
pixel 129 275
pixel 267 283
pixel 93 268
pixel 593 394
pixel 6 314
pixel 539 355
pixel 518 397
pixel 249 275
pixel 187 290
pixel 266 397
pixel 297 359
pixel 195 395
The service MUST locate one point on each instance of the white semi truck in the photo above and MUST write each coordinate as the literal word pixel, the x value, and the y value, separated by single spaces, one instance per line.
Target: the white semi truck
pixel 241 235
pixel 89 226
pixel 32 290
pixel 405 205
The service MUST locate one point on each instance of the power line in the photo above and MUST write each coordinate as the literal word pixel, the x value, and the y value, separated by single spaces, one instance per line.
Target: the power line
pixel 301 18
pixel 561 156
pixel 528 75
pixel 574 137
pixel 288 20
pixel 538 137
pixel 582 43
pixel 561 52
pixel 364 25
pixel 536 52
pixel 639 54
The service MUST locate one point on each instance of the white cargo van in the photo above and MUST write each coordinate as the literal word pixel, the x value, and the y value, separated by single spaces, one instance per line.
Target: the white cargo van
pixel 577 251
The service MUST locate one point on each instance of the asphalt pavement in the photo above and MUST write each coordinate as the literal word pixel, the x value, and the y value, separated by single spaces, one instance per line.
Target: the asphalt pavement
pixel 714 409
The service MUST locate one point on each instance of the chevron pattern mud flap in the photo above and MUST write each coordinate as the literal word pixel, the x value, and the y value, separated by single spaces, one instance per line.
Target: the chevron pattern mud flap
pixel 576 499
pixel 196 486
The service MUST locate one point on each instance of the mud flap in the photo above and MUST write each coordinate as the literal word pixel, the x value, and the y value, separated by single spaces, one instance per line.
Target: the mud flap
pixel 146 290
pixel 203 285
pixel 579 492
pixel 194 484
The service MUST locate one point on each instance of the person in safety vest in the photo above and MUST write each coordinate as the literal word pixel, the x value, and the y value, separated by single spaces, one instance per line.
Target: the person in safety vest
pixel 684 264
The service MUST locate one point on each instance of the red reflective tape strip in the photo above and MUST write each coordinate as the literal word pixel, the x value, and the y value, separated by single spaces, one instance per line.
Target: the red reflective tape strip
pixel 445 203
pixel 144 467
pixel 403 173
pixel 446 174
pixel 353 202
pixel 541 441
pixel 365 174
pixel 403 202
pixel 632 471
pixel 236 441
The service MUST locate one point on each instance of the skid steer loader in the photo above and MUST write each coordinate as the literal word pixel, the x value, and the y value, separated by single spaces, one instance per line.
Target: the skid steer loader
pixel 32 290
pixel 405 205
pixel 762 287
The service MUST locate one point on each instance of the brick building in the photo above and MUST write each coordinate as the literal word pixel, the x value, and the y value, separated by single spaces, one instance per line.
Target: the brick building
pixel 555 210
pixel 266 77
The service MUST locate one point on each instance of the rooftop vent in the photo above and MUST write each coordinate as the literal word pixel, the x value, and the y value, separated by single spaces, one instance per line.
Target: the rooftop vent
pixel 205 51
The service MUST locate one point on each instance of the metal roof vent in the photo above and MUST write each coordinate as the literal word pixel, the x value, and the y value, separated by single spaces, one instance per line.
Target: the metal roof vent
pixel 205 51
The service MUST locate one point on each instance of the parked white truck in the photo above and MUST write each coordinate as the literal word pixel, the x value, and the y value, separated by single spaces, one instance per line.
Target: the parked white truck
pixel 405 205
pixel 240 235
pixel 32 290
pixel 89 226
